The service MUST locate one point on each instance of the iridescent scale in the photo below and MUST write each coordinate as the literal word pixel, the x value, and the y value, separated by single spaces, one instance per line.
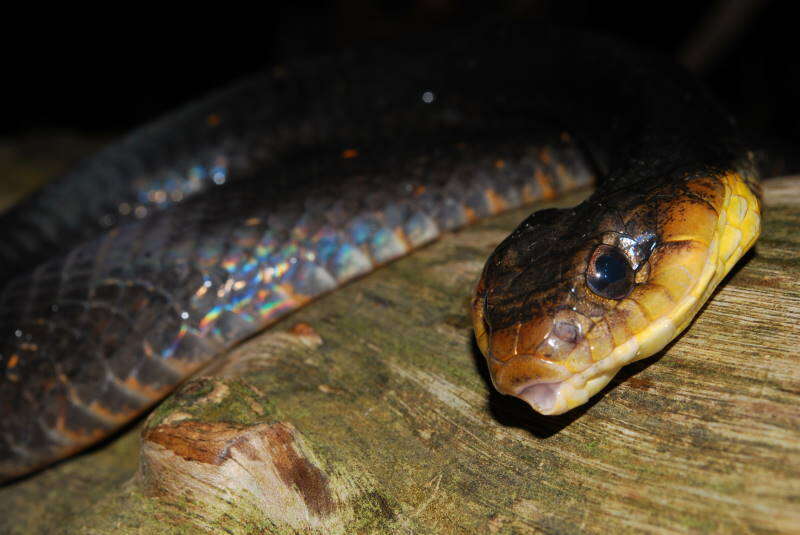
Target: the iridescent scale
pixel 151 301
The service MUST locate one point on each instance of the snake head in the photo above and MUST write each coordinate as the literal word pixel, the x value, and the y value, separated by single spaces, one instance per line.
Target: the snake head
pixel 572 295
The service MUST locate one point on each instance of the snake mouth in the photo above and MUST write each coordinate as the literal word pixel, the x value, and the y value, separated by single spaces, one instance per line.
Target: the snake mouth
pixel 542 397
pixel 551 398
pixel 557 397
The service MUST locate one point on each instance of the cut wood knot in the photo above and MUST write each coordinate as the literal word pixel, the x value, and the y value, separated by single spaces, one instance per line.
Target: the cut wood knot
pixel 267 466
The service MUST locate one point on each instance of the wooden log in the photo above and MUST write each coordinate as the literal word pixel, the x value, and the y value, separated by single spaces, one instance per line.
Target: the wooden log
pixel 371 411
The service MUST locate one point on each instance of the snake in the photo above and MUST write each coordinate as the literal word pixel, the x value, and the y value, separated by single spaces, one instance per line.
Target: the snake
pixel 148 260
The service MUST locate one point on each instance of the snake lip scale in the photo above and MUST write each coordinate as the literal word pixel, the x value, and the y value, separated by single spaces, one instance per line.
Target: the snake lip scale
pixel 191 234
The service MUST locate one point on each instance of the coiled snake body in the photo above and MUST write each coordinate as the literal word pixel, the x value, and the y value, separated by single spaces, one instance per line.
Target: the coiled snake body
pixel 195 232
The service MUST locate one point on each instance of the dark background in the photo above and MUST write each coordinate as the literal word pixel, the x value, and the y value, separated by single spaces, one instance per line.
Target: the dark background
pixel 103 75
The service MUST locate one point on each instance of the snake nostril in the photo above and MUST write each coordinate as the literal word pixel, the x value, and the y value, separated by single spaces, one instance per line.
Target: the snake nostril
pixel 566 331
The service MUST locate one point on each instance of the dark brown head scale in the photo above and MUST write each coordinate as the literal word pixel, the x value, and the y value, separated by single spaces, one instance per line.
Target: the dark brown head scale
pixel 524 307
pixel 528 268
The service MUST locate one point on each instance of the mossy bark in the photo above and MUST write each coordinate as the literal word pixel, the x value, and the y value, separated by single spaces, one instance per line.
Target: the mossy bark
pixel 371 411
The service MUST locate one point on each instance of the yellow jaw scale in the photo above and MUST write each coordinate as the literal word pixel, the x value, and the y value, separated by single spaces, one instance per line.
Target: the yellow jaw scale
pixel 701 240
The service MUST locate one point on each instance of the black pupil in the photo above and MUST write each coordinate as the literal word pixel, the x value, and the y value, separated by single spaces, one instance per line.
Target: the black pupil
pixel 610 268
pixel 611 275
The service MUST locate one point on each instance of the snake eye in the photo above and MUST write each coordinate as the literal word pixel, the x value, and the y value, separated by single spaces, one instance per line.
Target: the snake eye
pixel 609 274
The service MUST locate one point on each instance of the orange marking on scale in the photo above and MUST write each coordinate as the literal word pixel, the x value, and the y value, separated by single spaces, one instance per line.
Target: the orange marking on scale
pixel 213 120
pixel 400 234
pixel 108 416
pixel 134 385
pixel 470 213
pixel 349 154
pixel 75 436
pixel 496 202
pixel 296 297
pixel 12 361
pixel 545 182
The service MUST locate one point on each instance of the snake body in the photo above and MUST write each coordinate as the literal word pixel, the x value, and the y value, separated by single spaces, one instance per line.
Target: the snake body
pixel 174 244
